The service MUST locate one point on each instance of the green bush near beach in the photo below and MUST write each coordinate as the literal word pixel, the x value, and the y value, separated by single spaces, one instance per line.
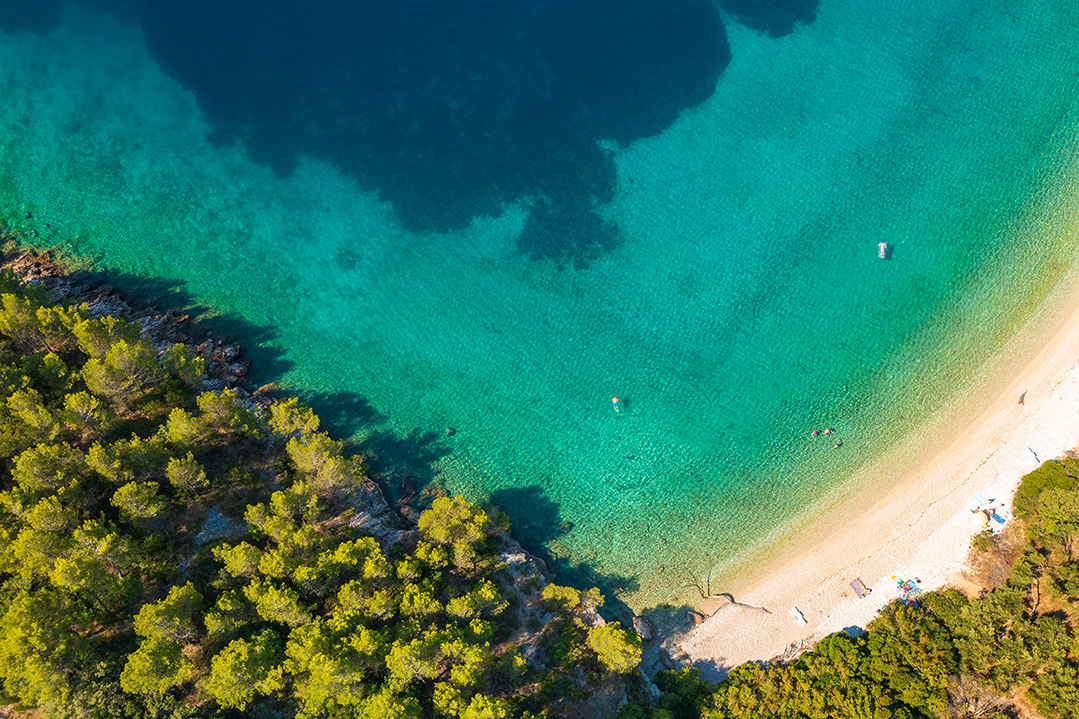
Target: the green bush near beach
pixel 951 656
pixel 119 598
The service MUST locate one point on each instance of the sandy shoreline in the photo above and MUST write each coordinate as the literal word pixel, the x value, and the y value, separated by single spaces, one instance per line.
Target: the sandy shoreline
pixel 920 525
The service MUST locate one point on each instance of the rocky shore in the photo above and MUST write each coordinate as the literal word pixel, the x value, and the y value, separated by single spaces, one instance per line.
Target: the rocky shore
pixel 227 369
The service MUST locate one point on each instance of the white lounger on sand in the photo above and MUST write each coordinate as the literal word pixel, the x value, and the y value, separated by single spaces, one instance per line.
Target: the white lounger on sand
pixel 798 616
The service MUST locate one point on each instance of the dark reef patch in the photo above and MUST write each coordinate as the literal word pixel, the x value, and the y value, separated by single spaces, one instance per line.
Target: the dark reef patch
pixel 449 110
pixel 775 17
pixel 29 15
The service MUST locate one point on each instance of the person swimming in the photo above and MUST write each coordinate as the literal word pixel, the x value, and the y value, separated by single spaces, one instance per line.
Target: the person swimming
pixel 614 403
pixel 815 433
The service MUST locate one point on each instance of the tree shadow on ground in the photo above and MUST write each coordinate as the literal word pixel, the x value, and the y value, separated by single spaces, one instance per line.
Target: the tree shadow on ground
pixel 672 624
pixel 670 619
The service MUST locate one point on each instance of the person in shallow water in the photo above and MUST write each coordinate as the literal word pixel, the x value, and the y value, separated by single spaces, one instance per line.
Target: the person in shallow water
pixel 815 433
pixel 614 403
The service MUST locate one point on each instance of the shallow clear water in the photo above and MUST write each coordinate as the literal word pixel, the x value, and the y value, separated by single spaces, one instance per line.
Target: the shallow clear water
pixel 698 239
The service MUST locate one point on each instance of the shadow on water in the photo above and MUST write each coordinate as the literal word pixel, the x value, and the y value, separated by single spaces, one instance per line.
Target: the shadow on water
pixel 342 414
pixel 403 465
pixel 258 343
pixel 537 524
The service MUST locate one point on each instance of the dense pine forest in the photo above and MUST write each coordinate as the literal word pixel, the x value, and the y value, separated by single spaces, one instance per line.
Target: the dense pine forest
pixel 172 551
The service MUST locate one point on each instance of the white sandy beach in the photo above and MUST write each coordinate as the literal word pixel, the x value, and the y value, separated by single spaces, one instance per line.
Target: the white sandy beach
pixel 919 528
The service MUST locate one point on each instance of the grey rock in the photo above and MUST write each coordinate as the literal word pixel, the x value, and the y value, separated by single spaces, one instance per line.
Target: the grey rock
pixel 645 629
pixel 218 525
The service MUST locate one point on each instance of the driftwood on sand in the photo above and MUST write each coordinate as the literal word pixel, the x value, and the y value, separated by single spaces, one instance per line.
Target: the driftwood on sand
pixel 732 603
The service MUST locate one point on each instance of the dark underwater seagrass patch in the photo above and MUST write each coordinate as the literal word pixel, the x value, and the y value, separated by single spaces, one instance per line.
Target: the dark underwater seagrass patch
pixel 449 110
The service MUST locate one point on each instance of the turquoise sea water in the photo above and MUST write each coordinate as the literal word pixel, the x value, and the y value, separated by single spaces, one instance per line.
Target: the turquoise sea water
pixel 709 256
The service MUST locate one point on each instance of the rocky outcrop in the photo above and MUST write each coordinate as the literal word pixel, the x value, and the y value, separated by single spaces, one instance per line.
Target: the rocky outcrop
pixel 372 514
pixel 675 658
pixel 645 629
pixel 217 525
pixel 225 368
pixel 526 576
